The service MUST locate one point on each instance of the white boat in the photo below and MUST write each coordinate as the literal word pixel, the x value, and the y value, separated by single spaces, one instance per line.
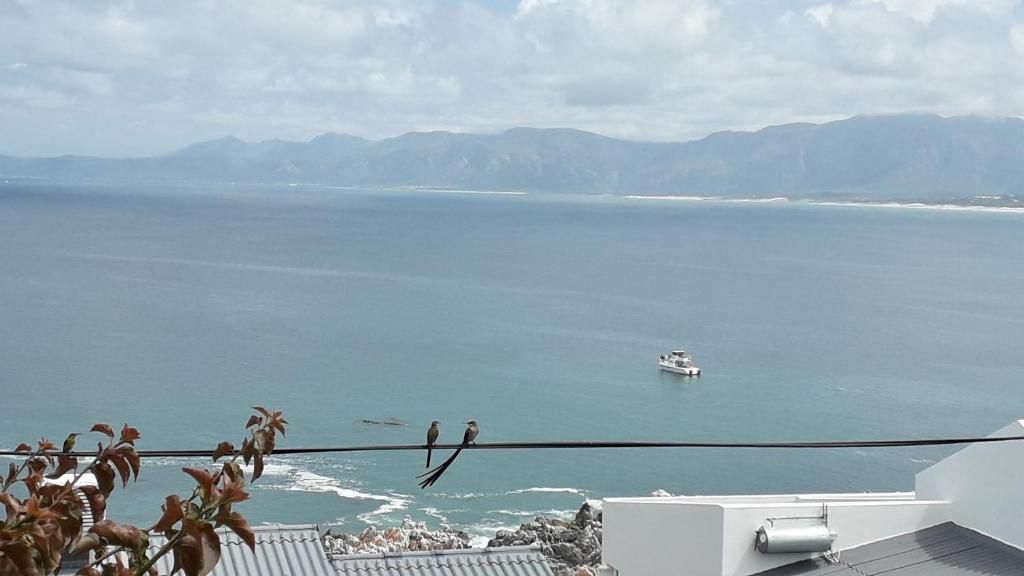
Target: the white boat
pixel 678 362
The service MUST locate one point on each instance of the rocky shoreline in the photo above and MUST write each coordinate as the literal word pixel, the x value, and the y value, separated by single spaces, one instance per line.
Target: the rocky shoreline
pixel 572 547
pixel 411 536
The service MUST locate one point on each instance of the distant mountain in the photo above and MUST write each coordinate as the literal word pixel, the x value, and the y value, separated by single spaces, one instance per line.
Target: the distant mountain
pixel 876 157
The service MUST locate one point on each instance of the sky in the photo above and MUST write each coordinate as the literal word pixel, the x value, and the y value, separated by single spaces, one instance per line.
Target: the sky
pixel 138 78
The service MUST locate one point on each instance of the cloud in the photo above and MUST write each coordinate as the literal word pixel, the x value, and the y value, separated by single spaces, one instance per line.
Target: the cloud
pixel 136 78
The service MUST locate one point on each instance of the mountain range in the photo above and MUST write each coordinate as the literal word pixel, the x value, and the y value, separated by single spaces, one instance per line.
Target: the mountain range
pixel 919 157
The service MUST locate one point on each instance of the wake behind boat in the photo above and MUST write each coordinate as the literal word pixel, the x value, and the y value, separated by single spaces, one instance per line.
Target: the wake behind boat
pixel 678 362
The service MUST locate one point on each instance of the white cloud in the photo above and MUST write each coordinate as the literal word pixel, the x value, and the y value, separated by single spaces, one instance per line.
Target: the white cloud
pixel 821 14
pixel 924 10
pixel 121 77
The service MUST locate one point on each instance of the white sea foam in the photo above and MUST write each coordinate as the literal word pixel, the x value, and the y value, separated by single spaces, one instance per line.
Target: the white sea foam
pixel 466 496
pixel 920 206
pixel 844 203
pixel 271 469
pixel 691 198
pixel 485 192
pixel 535 513
pixel 434 513
pixel 708 198
pixel 760 200
pixel 486 530
pixel 482 540
pixel 305 481
pixel 546 489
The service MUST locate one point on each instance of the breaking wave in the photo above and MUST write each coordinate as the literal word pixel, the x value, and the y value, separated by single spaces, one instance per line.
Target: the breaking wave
pixel 299 480
pixel 535 513
pixel 576 491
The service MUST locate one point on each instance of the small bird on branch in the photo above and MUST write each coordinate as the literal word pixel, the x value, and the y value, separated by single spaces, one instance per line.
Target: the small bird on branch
pixel 432 435
pixel 432 476
pixel 69 442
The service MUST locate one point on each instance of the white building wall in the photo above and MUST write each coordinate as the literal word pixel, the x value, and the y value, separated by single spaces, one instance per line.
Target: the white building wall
pixel 659 538
pixel 985 483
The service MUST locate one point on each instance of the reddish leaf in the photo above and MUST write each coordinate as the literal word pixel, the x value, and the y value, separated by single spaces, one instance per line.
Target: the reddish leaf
pixel 32 481
pixel 202 477
pixel 239 525
pixel 48 540
pixel 103 429
pixel 97 500
pixel 132 457
pixel 34 509
pixel 199 548
pixel 211 548
pixel 120 463
pixel 20 555
pixel 70 510
pixel 188 555
pixel 23 448
pixel 104 477
pixel 86 542
pixel 37 465
pixel 118 534
pixel 129 435
pixel 12 475
pixel 88 571
pixel 234 472
pixel 11 504
pixel 248 449
pixel 262 410
pixel 254 420
pixel 65 464
pixel 257 467
pixel 233 492
pixel 223 449
pixel 46 446
pixel 172 514
pixel 279 426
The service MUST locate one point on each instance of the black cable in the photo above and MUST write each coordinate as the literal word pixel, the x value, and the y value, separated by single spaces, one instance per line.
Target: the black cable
pixel 576 445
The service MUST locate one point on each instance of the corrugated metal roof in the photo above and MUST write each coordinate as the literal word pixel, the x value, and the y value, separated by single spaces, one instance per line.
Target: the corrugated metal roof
pixel 943 550
pixel 280 551
pixel 509 561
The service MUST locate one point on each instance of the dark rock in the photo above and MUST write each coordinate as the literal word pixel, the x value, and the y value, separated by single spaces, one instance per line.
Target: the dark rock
pixel 571 547
pixel 585 516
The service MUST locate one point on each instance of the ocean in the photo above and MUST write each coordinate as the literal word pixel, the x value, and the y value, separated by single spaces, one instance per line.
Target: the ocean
pixel 177 308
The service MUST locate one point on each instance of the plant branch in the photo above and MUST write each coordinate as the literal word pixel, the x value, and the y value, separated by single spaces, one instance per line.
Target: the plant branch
pixel 141 570
pixel 97 561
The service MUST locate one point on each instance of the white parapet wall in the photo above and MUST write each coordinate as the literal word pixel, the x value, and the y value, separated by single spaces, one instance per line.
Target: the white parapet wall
pixel 985 483
pixel 714 535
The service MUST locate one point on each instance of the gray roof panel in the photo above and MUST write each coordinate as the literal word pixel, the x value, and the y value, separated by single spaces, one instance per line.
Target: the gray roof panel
pixel 943 550
pixel 280 551
pixel 510 561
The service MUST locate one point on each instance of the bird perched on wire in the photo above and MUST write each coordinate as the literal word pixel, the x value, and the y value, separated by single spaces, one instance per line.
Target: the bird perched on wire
pixel 69 442
pixel 432 435
pixel 432 476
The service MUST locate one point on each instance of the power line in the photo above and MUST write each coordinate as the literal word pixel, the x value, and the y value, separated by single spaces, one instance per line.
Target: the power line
pixel 579 445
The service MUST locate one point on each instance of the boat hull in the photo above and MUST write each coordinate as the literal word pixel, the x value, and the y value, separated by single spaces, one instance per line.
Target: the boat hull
pixel 683 370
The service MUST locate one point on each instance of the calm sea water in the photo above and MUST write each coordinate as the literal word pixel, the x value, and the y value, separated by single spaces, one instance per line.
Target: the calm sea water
pixel 540 316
